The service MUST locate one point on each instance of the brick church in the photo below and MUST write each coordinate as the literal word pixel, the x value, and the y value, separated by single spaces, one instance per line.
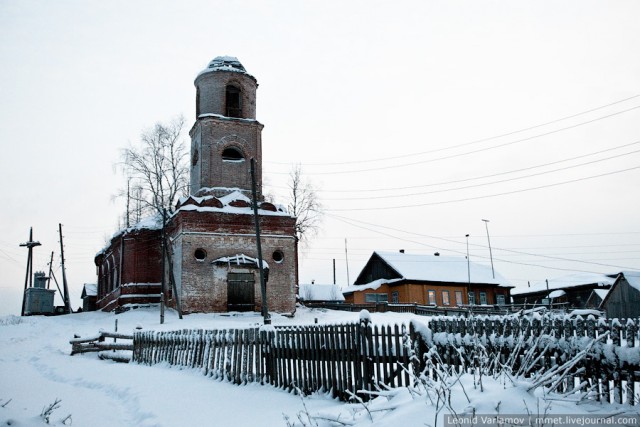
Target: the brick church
pixel 213 262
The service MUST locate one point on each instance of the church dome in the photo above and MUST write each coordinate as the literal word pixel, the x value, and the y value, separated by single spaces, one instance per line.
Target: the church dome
pixel 225 63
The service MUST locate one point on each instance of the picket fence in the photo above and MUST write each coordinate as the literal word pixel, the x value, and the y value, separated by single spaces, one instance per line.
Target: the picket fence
pixel 351 360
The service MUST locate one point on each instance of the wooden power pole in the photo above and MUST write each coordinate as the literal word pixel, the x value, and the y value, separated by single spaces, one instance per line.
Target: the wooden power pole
pixel 28 280
pixel 65 297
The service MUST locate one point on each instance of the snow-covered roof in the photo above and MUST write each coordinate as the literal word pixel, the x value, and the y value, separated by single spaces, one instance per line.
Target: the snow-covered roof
pixel 557 293
pixel 568 281
pixel 234 195
pixel 633 278
pixel 314 292
pixel 371 285
pixel 90 290
pixel 602 293
pixel 225 63
pixel 440 268
pixel 239 259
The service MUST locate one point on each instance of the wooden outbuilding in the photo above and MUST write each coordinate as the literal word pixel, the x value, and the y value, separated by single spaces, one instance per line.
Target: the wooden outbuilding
pixel 623 299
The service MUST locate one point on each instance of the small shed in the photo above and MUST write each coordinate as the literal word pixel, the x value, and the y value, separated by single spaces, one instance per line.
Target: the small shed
pixel 89 296
pixel 623 299
pixel 313 293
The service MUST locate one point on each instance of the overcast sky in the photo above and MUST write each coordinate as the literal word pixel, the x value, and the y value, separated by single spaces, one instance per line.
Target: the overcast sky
pixel 415 120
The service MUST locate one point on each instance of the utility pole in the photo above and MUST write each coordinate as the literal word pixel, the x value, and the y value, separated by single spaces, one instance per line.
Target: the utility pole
pixel 486 221
pixel 50 270
pixel 28 280
pixel 67 305
pixel 346 258
pixel 263 285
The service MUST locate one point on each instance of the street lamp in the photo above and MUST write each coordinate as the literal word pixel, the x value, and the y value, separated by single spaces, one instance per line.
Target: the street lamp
pixel 486 223
pixel 468 270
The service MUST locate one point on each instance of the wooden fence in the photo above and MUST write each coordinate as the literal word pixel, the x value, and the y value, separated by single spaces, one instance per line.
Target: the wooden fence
pixel 354 359
pixel 343 358
pixel 112 350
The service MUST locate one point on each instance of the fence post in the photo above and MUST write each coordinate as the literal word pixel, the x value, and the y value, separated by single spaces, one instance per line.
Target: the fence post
pixel 365 337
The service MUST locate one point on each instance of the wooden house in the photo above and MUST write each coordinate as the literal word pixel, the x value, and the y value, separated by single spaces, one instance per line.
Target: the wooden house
pixel 572 291
pixel 398 277
pixel 623 299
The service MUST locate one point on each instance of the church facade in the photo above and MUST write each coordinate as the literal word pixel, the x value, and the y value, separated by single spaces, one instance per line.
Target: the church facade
pixel 213 264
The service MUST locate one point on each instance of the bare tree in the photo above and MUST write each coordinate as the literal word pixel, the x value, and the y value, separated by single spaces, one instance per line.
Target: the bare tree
pixel 304 205
pixel 157 170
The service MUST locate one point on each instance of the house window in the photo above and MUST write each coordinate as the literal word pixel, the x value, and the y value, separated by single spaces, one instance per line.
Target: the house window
pixel 376 298
pixel 432 297
pixel 500 299
pixel 234 101
pixel 483 298
pixel 395 297
pixel 472 298
pixel 445 298
pixel 459 298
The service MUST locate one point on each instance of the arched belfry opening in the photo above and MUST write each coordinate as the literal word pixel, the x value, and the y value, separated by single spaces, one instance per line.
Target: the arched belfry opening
pixel 233 104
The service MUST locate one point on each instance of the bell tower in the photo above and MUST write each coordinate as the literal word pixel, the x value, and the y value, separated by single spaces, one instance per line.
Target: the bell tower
pixel 226 134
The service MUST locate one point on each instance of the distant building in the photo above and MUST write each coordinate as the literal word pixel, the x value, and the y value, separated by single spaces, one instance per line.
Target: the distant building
pixel 89 294
pixel 623 299
pixel 446 281
pixel 314 293
pixel 213 250
pixel 572 290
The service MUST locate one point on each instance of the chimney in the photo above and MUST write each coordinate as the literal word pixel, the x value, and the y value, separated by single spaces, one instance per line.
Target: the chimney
pixel 401 251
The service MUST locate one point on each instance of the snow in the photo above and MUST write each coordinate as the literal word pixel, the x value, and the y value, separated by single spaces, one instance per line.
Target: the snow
pixel 36 369
pixel 240 259
pixel 371 285
pixel 317 292
pixel 90 289
pixel 440 268
pixel 557 293
pixel 633 278
pixel 568 281
pixel 226 200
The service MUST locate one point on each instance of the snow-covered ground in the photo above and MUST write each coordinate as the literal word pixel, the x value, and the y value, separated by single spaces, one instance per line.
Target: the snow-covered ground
pixel 36 370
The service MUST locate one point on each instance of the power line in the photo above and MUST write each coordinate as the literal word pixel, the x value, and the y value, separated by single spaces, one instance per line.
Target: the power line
pixel 475 141
pixel 487 183
pixel 477 177
pixel 359 225
pixel 485 196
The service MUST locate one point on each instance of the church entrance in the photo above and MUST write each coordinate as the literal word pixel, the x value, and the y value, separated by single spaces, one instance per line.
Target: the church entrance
pixel 240 291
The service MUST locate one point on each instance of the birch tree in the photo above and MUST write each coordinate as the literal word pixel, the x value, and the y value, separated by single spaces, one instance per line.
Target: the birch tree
pixel 303 203
pixel 156 169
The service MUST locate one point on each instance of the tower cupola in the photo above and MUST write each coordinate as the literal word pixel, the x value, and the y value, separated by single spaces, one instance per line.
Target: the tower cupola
pixel 225 88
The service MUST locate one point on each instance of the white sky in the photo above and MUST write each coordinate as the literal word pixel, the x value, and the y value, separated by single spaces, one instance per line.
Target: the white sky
pixel 371 97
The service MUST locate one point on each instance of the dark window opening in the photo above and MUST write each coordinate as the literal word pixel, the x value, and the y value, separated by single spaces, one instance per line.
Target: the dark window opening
pixel 278 256
pixel 197 102
pixel 196 156
pixel 232 154
pixel 234 101
pixel 200 254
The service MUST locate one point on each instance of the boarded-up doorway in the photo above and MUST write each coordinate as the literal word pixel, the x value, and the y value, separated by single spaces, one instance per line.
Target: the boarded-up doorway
pixel 240 291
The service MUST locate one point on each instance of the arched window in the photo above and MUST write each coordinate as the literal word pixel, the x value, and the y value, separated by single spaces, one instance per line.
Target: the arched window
pixel 233 101
pixel 232 154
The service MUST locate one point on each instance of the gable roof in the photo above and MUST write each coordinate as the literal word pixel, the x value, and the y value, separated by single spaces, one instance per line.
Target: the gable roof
pixel 631 277
pixel 89 290
pixel 432 268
